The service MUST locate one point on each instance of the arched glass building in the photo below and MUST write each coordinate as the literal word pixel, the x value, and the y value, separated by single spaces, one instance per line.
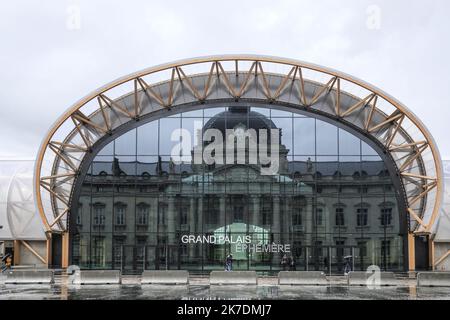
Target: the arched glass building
pixel 179 165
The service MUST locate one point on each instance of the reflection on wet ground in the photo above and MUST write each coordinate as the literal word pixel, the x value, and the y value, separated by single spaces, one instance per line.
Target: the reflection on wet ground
pixel 152 292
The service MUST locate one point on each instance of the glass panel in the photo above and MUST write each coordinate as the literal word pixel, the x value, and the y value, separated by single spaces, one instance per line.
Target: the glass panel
pixel 126 144
pixel 263 111
pixel 108 150
pixel 367 150
pixel 169 135
pixel 147 139
pixel 304 136
pixel 332 201
pixel 280 113
pixel 349 145
pixel 327 139
pixel 192 114
pixel 286 132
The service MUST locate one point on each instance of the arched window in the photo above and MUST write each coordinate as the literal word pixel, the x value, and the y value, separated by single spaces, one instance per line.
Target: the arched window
pixel 337 175
pixel 383 174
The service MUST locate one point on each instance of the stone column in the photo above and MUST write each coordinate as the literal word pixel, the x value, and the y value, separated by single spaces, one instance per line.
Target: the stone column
pixel 308 219
pixel 153 219
pixel 276 219
pixel 287 223
pixel 171 220
pixel 276 227
pixel 256 214
pixel 222 212
pixel 192 229
pixel 199 230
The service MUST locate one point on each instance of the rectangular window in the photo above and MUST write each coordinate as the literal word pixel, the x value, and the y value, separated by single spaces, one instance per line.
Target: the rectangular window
pixel 297 217
pixel 142 216
pixel 238 213
pixel 162 245
pixel 117 251
pixel 340 248
pixel 362 245
pixel 162 214
pixel 99 216
pixel 361 217
pixel 184 215
pixel 183 250
pixel 120 216
pixel 386 247
pixel 98 248
pixel 211 205
pixel 386 216
pixel 319 217
pixel 318 249
pixel 298 249
pixel 340 217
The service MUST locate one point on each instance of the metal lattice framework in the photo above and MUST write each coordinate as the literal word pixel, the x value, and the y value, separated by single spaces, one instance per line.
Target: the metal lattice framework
pixel 244 79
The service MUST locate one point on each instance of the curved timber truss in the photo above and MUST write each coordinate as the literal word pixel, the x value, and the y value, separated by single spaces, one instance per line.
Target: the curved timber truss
pixel 247 79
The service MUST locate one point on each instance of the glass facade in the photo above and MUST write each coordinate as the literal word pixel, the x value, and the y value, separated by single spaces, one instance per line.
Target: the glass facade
pixel 332 198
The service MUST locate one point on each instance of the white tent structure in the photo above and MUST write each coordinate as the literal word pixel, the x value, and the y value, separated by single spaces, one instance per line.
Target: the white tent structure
pixel 21 229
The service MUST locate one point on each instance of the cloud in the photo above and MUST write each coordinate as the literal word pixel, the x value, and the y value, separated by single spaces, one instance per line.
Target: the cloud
pixel 46 67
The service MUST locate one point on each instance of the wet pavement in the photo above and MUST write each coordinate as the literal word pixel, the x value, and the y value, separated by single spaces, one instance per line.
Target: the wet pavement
pixel 60 291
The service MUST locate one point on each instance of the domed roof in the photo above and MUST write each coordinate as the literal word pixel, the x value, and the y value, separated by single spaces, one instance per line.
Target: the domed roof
pixel 236 116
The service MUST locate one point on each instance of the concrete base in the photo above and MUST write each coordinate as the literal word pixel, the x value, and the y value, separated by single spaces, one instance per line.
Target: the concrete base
pixel 359 278
pixel 170 277
pixel 312 278
pixel 97 277
pixel 233 278
pixel 433 279
pixel 30 277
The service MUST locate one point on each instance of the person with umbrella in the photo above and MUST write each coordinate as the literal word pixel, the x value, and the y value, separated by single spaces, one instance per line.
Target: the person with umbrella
pixel 347 265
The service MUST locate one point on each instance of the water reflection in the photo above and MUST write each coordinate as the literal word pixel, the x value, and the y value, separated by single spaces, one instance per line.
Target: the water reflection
pixel 159 292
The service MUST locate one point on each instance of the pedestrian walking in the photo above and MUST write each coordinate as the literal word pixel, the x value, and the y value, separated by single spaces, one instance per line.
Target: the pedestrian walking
pixel 292 264
pixel 284 263
pixel 347 265
pixel 229 263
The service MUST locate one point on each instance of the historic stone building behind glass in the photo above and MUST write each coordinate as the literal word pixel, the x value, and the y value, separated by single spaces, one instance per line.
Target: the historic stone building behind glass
pixel 132 214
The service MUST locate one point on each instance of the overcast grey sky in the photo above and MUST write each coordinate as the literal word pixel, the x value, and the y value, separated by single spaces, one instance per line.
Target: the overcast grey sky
pixel 48 61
